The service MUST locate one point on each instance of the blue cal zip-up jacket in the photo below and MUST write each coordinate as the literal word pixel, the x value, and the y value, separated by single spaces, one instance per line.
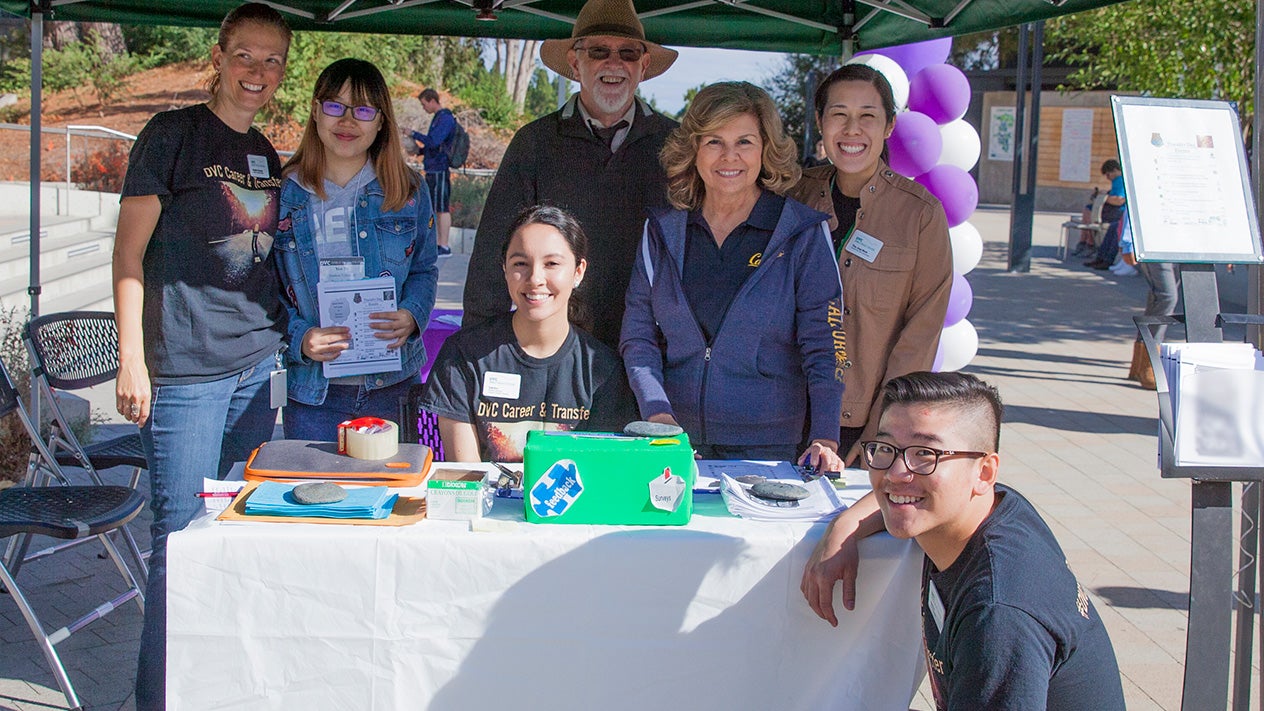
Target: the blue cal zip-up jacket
pixel 401 244
pixel 779 349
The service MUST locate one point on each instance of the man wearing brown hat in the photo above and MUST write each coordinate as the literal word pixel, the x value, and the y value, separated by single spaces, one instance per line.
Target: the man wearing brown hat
pixel 597 157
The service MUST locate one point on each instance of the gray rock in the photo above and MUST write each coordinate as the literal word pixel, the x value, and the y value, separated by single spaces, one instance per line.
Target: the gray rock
pixel 750 479
pixel 319 492
pixel 644 428
pixel 779 491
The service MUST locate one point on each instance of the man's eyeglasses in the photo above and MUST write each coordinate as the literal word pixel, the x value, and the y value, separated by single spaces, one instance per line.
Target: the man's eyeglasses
pixel 336 109
pixel 599 53
pixel 918 458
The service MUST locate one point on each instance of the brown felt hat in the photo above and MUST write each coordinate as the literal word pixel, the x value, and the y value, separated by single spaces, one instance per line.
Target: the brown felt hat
pixel 606 18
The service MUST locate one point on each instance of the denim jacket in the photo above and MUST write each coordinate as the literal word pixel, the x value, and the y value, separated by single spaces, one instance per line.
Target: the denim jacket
pixel 401 244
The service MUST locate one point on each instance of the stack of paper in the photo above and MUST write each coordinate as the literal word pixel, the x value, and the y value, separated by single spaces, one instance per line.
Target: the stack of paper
pixel 821 504
pixel 1217 395
pixel 272 498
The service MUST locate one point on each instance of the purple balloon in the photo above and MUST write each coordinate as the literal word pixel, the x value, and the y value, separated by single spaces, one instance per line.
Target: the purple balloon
pixel 941 92
pixel 915 144
pixel 959 300
pixel 914 57
pixel 938 364
pixel 955 189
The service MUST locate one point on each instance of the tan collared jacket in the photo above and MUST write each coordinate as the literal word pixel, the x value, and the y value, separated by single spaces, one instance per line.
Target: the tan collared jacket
pixel 893 308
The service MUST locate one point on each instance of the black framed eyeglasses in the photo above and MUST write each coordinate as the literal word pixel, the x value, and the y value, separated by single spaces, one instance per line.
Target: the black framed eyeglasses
pixel 918 458
pixel 336 109
pixel 600 53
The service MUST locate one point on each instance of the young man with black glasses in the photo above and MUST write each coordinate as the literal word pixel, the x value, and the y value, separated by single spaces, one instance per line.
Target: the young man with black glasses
pixel 1006 625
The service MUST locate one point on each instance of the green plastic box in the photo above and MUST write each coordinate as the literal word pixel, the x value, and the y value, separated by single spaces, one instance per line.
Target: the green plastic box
pixel 592 477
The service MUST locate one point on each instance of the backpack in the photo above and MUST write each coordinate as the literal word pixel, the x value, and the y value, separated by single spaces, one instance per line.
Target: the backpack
pixel 457 146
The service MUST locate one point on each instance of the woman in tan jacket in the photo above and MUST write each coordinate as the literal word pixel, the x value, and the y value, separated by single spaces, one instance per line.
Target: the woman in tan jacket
pixel 891 239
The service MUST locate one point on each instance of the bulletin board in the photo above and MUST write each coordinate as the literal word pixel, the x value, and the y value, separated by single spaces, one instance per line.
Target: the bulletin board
pixel 1189 193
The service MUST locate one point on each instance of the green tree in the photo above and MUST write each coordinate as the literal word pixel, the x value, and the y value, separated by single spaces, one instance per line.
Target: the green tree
pixel 1200 49
pixel 690 95
pixel 789 85
pixel 541 95
pixel 158 45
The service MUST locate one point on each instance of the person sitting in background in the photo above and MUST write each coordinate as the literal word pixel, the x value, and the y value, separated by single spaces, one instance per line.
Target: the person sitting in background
pixel 733 325
pixel 532 368
pixel 1112 212
pixel 1005 623
pixel 1088 237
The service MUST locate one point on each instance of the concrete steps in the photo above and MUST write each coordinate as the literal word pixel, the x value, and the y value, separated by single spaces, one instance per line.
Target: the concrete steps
pixel 75 249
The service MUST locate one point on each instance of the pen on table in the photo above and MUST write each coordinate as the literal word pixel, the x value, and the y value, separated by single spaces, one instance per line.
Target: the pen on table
pixel 216 494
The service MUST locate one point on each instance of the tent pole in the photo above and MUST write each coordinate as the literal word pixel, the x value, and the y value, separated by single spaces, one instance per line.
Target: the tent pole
pixel 37 125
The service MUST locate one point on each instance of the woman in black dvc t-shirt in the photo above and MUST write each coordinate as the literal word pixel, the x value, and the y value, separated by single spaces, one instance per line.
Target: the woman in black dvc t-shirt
pixel 195 294
pixel 529 369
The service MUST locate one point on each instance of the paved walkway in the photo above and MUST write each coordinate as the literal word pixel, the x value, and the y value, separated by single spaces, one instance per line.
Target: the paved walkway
pixel 1078 440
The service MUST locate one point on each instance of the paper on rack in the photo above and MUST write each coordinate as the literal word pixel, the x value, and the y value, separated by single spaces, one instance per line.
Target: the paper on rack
pixel 821 504
pixel 1217 393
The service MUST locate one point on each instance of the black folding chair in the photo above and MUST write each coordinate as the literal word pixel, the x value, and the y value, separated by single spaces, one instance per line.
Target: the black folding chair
pixel 70 351
pixel 65 512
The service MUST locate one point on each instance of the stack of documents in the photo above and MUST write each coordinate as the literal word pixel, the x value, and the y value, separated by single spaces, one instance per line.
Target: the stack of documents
pixel 1217 395
pixel 821 504
pixel 272 498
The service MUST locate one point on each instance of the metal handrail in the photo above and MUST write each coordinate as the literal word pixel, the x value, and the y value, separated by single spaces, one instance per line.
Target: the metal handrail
pixel 88 130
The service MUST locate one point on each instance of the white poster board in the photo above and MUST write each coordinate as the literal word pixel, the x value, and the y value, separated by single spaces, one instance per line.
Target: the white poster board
pixel 1189 196
pixel 1076 153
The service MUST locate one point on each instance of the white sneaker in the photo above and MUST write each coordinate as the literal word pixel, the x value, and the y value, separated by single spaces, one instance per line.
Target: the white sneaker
pixel 1123 269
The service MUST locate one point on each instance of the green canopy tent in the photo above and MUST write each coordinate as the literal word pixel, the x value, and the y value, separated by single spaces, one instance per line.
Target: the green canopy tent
pixel 822 27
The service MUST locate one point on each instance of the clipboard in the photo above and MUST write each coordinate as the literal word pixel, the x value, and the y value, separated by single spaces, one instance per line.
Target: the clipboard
pixel 407 511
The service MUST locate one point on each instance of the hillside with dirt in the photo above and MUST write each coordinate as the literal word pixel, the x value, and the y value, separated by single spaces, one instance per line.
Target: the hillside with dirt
pixel 171 87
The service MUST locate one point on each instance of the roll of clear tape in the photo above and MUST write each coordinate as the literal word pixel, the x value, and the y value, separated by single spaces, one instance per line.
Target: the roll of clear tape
pixel 378 444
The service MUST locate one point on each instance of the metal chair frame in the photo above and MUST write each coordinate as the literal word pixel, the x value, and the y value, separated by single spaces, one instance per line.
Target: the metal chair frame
pixel 78 513
pixel 69 351
pixel 1071 228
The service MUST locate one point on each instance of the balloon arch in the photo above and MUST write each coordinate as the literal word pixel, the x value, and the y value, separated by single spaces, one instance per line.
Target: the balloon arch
pixel 933 145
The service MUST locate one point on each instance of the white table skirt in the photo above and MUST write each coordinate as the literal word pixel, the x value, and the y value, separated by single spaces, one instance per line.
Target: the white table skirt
pixel 556 617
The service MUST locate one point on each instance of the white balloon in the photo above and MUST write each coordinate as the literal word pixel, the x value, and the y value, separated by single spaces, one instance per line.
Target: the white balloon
pixel 967 247
pixel 896 77
pixel 959 343
pixel 961 145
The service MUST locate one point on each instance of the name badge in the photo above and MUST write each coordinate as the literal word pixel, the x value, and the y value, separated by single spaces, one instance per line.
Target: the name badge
pixel 503 385
pixel 258 165
pixel 864 245
pixel 341 268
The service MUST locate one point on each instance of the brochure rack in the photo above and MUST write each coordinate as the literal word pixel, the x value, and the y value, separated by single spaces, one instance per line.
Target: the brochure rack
pixel 1211 572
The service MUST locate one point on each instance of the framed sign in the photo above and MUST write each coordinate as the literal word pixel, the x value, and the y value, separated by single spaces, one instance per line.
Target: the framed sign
pixel 1189 195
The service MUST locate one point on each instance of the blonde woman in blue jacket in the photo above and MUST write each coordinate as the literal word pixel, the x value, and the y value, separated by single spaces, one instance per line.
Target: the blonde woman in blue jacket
pixel 733 327
pixel 352 209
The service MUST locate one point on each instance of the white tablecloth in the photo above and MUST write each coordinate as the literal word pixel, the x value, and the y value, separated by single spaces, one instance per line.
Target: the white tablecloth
pixel 556 617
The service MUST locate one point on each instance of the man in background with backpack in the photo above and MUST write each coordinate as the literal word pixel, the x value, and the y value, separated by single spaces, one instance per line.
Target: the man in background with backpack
pixel 435 152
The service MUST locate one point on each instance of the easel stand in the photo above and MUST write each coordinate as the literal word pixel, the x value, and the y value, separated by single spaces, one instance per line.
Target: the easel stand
pixel 1212 598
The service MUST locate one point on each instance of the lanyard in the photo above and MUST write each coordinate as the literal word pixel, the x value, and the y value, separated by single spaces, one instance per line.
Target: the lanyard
pixel 838 251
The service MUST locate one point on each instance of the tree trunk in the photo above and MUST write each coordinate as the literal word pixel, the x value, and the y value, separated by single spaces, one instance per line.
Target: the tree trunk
pixel 57 35
pixel 526 69
pixel 513 55
pixel 109 38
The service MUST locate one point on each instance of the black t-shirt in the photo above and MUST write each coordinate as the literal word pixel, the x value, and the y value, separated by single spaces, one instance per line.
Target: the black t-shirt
pixel 1018 630
pixel 212 303
pixel 845 209
pixel 483 377
pixel 713 274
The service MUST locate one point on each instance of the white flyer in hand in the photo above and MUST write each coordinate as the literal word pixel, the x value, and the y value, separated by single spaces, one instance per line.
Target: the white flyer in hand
pixel 349 303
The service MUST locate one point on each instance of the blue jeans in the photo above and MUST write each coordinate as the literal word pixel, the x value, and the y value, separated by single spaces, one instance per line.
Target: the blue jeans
pixel 194 431
pixel 344 402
